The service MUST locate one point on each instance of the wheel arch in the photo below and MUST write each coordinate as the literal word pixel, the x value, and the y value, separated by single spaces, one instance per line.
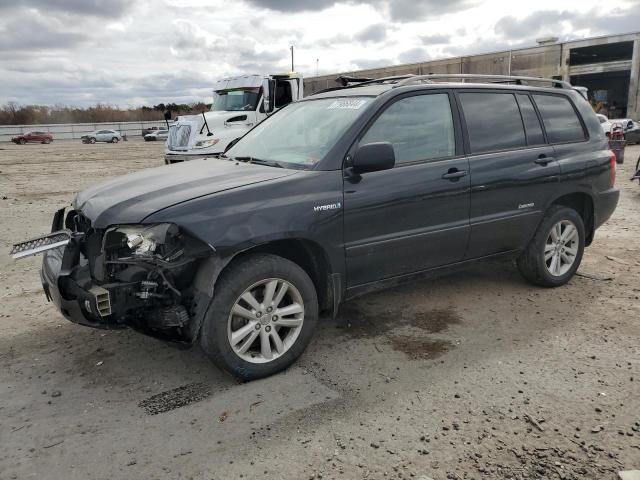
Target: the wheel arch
pixel 581 202
pixel 309 256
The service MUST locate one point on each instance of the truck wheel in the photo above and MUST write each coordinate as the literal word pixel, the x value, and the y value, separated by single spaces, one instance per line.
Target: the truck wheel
pixel 261 318
pixel 555 252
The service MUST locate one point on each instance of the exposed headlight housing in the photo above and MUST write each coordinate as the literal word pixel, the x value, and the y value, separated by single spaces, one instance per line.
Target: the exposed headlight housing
pixel 210 142
pixel 162 239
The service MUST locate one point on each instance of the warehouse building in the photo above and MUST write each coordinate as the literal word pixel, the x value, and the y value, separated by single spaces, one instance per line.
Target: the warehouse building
pixel 608 66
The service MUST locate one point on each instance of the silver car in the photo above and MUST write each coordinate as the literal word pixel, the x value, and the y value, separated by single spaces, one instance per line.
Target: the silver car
pixel 156 135
pixel 110 136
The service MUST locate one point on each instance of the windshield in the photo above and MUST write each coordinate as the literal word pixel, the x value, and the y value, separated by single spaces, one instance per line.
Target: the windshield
pixel 235 100
pixel 301 133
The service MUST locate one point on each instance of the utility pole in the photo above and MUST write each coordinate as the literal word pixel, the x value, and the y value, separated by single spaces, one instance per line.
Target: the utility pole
pixel 317 62
pixel 292 68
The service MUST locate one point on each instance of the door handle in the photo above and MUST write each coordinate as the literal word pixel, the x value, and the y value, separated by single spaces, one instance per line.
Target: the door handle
pixel 543 160
pixel 454 174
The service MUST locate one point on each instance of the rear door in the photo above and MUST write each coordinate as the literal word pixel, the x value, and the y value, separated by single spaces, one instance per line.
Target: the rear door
pixel 415 216
pixel 513 169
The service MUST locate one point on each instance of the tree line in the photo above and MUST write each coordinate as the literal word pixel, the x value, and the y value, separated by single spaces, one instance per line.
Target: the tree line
pixel 14 114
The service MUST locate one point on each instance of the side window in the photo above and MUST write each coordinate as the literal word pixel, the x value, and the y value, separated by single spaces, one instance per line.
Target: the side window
pixel 418 127
pixel 532 126
pixel 493 121
pixel 560 119
pixel 282 93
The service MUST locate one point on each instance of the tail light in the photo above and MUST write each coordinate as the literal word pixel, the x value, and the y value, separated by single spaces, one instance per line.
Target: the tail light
pixel 612 170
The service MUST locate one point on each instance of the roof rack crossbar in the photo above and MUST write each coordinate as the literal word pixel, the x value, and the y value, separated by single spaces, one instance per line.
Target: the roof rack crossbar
pixel 482 79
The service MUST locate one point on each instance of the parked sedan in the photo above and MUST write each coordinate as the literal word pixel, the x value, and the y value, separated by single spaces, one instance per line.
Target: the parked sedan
pixel 156 135
pixel 110 136
pixel 40 137
pixel 147 130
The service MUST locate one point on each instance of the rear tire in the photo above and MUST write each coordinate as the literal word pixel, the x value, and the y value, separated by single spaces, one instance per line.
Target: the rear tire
pixel 555 252
pixel 114 140
pixel 285 335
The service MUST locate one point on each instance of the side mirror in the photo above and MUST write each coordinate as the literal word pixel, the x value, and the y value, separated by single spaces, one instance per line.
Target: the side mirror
pixel 267 97
pixel 374 157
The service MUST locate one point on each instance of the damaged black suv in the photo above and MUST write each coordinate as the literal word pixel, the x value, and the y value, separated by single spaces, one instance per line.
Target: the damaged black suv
pixel 345 192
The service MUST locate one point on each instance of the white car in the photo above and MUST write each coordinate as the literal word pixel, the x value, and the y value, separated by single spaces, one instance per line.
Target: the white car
pixel 156 135
pixel 110 136
pixel 626 123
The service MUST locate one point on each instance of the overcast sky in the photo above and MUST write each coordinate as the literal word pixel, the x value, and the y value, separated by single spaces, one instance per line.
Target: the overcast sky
pixel 134 52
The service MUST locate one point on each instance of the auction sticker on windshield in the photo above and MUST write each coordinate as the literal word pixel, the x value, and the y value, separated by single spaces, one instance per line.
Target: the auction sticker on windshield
pixel 347 104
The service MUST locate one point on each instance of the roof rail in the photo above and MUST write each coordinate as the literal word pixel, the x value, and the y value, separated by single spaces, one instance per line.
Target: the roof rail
pixel 394 78
pixel 347 80
pixel 363 83
pixel 482 79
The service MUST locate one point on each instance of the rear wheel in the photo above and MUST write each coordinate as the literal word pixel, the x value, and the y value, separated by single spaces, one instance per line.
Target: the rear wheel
pixel 47 141
pixel 555 252
pixel 114 140
pixel 261 318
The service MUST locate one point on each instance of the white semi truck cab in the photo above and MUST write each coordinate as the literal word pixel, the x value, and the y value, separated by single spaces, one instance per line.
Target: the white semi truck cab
pixel 239 103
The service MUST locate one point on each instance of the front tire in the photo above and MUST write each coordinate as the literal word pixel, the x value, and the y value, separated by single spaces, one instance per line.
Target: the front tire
pixel 262 316
pixel 92 140
pixel 555 252
pixel 114 140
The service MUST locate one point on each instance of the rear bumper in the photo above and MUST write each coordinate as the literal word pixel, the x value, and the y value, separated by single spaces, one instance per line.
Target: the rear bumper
pixel 604 205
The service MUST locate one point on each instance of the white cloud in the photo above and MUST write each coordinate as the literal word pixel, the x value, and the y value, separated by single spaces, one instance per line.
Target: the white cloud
pixel 149 51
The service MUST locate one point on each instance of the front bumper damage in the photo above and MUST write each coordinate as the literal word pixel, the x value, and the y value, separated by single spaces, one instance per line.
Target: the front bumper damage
pixel 94 280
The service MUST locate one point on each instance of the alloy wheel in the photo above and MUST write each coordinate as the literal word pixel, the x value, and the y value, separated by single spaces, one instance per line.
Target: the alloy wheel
pixel 265 320
pixel 561 248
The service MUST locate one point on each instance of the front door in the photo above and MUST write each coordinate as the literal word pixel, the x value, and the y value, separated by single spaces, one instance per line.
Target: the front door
pixel 415 216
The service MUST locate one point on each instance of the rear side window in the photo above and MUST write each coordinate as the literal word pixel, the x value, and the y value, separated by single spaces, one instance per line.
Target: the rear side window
pixel 419 128
pixel 560 119
pixel 493 121
pixel 532 126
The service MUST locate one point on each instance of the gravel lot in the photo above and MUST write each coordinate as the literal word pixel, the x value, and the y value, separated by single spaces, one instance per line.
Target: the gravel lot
pixel 474 375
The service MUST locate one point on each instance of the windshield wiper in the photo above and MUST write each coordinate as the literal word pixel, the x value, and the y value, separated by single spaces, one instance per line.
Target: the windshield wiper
pixel 259 161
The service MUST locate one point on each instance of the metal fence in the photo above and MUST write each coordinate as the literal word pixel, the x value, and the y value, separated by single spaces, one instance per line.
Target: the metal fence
pixel 76 130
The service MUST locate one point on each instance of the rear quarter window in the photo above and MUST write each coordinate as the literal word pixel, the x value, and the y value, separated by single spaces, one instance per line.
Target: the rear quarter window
pixel 560 119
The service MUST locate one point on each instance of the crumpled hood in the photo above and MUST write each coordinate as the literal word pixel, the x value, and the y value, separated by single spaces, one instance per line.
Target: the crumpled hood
pixel 131 198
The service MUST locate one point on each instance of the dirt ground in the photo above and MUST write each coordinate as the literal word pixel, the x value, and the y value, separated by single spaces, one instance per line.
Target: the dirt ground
pixel 474 375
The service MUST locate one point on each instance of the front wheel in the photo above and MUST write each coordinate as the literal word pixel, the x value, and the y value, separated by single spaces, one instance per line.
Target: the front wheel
pixel 261 318
pixel 92 140
pixel 555 252
pixel 22 141
pixel 114 140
